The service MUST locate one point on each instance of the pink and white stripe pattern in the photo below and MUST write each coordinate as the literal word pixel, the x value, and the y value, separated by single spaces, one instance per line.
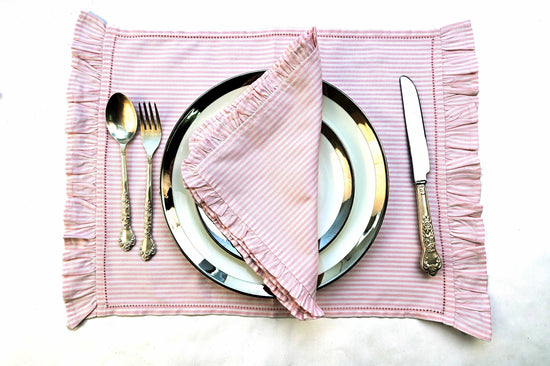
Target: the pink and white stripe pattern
pixel 174 68
pixel 253 168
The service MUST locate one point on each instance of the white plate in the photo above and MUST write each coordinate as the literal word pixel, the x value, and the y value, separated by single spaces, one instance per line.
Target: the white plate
pixel 353 187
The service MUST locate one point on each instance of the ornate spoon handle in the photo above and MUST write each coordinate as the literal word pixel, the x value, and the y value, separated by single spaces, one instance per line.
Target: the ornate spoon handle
pixel 430 260
pixel 127 238
pixel 148 247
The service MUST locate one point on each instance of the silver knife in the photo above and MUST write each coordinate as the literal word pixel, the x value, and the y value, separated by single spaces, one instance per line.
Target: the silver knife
pixel 430 261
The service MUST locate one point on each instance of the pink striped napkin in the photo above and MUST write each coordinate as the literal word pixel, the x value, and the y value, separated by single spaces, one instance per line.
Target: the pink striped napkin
pixel 174 69
pixel 253 168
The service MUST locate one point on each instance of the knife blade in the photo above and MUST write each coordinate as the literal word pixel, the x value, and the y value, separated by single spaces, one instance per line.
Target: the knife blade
pixel 430 261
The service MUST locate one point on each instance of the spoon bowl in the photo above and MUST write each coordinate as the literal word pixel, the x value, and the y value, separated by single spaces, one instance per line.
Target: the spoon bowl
pixel 121 120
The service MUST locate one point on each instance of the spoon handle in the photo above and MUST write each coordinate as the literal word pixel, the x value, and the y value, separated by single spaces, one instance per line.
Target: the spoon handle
pixel 148 247
pixel 127 238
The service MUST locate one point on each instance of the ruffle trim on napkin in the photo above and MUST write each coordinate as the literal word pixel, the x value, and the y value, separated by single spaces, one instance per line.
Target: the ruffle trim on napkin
pixel 296 298
pixel 83 92
pixel 460 88
pixel 216 130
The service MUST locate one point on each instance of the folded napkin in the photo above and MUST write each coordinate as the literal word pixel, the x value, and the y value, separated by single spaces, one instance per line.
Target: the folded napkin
pixel 253 168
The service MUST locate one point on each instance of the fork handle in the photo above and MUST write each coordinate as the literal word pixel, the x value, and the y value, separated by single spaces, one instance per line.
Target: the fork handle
pixel 148 248
pixel 127 238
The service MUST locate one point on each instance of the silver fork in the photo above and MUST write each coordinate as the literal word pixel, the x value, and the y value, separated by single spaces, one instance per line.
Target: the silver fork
pixel 151 133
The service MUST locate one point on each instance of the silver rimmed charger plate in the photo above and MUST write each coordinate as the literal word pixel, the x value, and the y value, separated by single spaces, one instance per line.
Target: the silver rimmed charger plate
pixel 353 191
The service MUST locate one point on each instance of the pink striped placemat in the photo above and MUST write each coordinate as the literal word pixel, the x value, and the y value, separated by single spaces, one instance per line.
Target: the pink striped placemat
pixel 174 68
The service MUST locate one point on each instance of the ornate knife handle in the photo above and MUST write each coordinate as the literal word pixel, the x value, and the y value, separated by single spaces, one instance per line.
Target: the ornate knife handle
pixel 148 247
pixel 430 260
pixel 127 238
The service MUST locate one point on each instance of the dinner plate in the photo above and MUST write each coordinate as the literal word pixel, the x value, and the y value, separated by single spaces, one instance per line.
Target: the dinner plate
pixel 352 198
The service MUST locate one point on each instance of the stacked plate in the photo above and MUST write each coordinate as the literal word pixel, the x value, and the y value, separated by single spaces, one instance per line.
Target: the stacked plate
pixel 353 189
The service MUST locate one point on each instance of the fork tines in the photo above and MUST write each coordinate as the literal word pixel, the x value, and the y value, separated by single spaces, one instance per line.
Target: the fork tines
pixel 148 122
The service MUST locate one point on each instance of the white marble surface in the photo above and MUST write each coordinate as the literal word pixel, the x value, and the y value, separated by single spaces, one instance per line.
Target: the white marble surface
pixel 512 47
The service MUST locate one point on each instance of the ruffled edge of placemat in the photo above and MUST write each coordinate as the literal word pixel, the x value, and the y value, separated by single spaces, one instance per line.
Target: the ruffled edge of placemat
pixel 472 313
pixel 83 94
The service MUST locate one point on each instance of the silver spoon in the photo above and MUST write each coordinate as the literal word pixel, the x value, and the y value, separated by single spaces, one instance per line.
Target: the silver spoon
pixel 121 120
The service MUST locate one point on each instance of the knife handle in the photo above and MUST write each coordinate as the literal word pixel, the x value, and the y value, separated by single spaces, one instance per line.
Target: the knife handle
pixel 430 260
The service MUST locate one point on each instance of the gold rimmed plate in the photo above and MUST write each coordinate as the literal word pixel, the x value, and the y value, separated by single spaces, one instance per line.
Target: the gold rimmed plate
pixel 353 189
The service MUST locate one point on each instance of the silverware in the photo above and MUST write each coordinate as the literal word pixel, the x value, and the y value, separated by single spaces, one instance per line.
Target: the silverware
pixel 151 133
pixel 121 120
pixel 418 148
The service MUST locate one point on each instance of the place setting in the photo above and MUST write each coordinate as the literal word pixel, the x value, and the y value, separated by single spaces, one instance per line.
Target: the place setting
pixel 291 179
